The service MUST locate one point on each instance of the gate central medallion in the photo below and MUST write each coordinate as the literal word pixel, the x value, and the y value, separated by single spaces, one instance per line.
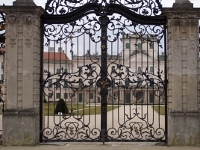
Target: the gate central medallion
pixel 104 83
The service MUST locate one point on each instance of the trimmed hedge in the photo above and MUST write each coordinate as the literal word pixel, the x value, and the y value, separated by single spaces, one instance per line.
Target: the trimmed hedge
pixel 61 107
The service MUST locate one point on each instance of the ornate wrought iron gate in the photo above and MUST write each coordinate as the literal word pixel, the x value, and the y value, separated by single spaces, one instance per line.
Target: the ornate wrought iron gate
pixel 104 71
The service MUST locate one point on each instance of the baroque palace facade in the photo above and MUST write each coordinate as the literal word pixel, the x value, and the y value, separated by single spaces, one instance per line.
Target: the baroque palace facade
pixel 142 72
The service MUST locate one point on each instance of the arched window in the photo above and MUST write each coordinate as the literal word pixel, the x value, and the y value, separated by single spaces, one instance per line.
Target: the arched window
pixel 151 95
pixel 151 69
pixel 139 97
pixel 151 45
pixel 139 70
pixel 113 83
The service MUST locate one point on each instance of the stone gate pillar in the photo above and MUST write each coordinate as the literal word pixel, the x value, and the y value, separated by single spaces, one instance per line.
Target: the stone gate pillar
pixel 183 87
pixel 21 118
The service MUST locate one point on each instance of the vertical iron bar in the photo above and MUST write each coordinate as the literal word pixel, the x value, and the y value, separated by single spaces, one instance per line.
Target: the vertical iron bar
pixel 130 90
pixel 48 81
pixel 59 84
pixel 72 70
pixel 116 86
pixel 166 82
pixel 119 89
pixel 65 94
pixel 124 52
pixel 153 85
pixel 79 91
pixel 104 90
pixel 95 93
pixel 54 68
pixel 136 66
pixel 147 91
pixel 89 91
pixel 158 87
pixel 141 61
pixel 41 79
pixel 112 89
pixel 84 57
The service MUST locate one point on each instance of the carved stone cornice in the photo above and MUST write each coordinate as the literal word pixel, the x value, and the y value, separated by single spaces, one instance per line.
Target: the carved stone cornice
pixel 12 42
pixel 19 17
pixel 184 113
pixel 183 22
pixel 28 19
pixel 175 13
pixel 11 18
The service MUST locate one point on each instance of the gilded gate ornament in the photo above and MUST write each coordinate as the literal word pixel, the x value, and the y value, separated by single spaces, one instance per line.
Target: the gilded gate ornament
pixel 2 26
pixel 103 83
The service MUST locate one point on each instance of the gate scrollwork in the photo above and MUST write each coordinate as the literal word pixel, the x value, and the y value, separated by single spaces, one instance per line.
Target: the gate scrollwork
pixel 117 60
pixel 143 7
pixel 2 30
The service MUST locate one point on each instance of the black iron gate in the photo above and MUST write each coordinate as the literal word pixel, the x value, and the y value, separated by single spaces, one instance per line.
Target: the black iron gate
pixel 104 65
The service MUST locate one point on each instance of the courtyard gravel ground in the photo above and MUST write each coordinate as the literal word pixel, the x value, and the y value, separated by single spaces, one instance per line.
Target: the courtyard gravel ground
pixel 100 146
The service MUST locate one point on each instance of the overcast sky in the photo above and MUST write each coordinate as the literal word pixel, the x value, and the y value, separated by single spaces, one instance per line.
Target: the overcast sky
pixel 166 3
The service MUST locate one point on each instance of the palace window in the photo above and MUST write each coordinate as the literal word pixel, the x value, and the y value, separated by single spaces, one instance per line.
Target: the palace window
pixel 151 69
pixel 65 95
pixel 58 85
pixel 58 71
pixel 139 45
pixel 65 84
pixel 57 95
pixel 91 95
pixel 139 97
pixel 65 70
pixel 50 95
pixel 50 82
pixel 151 45
pixel 139 70
pixel 127 45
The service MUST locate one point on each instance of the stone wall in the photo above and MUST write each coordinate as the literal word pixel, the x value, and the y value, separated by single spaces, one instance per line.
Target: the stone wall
pixel 183 66
pixel 21 120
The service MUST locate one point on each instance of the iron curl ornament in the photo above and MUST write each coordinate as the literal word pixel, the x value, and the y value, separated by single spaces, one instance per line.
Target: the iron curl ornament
pixel 74 130
pixel 136 130
pixel 85 25
pixel 141 7
pixel 84 77
pixel 2 23
pixel 2 30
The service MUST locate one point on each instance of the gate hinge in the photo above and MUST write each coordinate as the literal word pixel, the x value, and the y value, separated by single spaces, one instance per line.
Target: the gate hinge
pixel 41 80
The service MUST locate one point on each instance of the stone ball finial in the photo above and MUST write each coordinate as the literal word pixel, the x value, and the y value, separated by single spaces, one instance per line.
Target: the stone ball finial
pixel 24 3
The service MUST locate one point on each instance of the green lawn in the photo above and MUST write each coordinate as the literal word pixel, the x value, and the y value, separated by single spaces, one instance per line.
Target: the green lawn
pixel 162 109
pixel 78 109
